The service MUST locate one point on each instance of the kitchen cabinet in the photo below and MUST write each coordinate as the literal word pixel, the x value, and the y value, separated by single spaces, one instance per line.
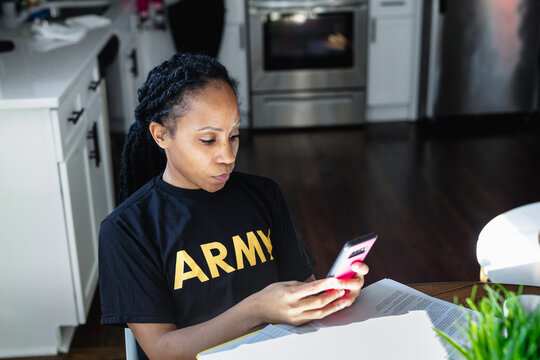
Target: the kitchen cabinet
pixel 56 182
pixel 123 76
pixel 56 187
pixel 393 60
pixel 233 52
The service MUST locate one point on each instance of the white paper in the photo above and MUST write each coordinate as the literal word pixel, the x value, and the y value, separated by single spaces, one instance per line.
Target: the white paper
pixel 267 333
pixel 388 320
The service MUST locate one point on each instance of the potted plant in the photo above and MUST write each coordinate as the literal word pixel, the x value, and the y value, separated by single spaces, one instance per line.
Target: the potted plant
pixel 503 328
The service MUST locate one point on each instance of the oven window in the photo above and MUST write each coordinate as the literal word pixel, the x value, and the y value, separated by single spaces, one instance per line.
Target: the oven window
pixel 304 40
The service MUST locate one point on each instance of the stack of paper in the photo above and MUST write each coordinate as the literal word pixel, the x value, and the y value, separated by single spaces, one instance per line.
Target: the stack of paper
pixel 389 320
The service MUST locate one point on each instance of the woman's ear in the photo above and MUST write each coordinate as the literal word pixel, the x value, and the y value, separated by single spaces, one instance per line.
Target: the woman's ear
pixel 159 133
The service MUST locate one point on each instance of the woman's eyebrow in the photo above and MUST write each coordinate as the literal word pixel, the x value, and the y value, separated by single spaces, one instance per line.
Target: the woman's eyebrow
pixel 209 128
pixel 237 124
pixel 216 128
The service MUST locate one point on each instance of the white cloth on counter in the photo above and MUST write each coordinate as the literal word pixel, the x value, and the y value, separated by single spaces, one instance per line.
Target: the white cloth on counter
pixel 52 31
pixel 49 36
pixel 88 21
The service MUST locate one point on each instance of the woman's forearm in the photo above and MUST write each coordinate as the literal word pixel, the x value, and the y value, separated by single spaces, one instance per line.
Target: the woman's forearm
pixel 164 341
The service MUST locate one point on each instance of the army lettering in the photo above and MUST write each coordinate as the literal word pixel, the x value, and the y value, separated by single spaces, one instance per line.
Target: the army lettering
pixel 215 254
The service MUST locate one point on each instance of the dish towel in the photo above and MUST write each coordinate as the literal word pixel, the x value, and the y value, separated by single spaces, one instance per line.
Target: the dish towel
pixel 54 31
pixel 52 36
pixel 88 21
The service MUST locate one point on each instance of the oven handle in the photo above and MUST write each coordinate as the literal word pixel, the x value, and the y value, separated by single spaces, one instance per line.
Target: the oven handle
pixel 273 5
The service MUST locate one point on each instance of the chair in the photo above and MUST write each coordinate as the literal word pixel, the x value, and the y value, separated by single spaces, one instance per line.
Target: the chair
pixel 131 345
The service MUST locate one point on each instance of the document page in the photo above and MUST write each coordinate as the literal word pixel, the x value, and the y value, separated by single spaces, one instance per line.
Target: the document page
pixel 267 333
pixel 389 298
pixel 388 320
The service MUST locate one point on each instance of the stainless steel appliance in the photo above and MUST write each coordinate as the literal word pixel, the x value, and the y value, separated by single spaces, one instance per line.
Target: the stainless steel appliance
pixel 308 62
pixel 481 57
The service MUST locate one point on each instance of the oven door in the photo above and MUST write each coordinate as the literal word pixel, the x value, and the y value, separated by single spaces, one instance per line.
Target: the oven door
pixel 307 45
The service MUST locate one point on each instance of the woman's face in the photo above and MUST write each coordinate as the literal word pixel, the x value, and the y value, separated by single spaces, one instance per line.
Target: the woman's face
pixel 202 151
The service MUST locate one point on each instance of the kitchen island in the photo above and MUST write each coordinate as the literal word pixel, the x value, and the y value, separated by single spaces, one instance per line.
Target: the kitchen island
pixel 56 181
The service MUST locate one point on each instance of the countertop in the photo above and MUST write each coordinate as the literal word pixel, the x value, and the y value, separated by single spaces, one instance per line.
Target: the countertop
pixel 32 79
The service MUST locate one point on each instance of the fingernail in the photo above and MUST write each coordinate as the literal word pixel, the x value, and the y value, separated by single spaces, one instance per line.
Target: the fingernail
pixel 341 293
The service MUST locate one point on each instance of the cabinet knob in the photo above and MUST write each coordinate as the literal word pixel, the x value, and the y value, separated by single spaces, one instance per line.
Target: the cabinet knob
pixel 75 116
pixel 93 85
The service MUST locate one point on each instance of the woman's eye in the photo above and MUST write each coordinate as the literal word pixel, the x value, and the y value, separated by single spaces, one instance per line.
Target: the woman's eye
pixel 234 137
pixel 207 141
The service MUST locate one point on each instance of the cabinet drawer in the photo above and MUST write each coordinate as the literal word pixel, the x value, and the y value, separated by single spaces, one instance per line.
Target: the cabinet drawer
pixel 70 118
pixel 68 121
pixel 392 7
pixel 89 82
pixel 308 108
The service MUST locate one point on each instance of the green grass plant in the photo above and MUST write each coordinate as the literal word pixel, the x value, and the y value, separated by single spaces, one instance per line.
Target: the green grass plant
pixel 493 335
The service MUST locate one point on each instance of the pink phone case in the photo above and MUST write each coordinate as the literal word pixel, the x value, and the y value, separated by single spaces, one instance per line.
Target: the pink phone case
pixel 353 251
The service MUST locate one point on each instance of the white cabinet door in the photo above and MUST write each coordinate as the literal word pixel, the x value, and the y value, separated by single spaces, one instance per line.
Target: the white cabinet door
pixel 80 224
pixel 390 56
pixel 100 161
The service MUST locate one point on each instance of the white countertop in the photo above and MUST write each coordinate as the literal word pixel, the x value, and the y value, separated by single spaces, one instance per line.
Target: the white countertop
pixel 31 79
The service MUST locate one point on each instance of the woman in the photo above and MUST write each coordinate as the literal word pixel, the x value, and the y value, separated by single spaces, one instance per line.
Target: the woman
pixel 198 254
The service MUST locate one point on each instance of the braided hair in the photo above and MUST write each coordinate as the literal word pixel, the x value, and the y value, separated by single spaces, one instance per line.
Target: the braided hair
pixel 163 98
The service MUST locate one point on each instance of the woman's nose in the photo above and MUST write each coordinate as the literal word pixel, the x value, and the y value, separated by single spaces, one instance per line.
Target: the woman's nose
pixel 227 154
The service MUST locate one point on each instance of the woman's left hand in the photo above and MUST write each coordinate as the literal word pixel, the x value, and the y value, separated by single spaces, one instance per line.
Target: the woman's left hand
pixel 360 269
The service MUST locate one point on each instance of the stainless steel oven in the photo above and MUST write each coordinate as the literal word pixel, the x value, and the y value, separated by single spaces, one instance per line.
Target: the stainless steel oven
pixel 307 62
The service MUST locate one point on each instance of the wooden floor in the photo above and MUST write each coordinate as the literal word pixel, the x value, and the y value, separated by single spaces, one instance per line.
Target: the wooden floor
pixel 426 191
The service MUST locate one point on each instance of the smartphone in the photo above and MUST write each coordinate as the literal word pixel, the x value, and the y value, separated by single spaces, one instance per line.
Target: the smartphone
pixel 353 251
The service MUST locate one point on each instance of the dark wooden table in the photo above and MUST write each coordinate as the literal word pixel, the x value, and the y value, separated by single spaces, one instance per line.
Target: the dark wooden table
pixel 462 290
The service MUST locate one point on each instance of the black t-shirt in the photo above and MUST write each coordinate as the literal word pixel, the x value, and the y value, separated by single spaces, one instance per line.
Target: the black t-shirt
pixel 172 255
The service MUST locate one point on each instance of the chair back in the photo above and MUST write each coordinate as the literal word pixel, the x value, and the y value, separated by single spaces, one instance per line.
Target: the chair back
pixel 131 345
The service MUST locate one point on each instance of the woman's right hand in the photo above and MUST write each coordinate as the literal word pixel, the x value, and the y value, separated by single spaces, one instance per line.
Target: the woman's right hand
pixel 296 303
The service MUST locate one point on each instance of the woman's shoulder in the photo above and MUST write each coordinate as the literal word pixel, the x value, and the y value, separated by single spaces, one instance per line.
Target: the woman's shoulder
pixel 135 202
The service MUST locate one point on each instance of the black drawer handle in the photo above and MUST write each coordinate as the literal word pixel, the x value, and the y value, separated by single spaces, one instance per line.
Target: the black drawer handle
pixel 75 116
pixel 134 67
pixel 393 3
pixel 93 85
pixel 94 154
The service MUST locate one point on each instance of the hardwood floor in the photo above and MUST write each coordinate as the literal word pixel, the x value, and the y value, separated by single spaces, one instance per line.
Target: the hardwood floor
pixel 426 191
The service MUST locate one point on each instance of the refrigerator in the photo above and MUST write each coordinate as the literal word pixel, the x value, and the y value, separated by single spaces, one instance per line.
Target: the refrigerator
pixel 479 57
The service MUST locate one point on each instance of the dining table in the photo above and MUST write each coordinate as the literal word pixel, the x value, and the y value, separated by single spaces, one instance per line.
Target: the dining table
pixel 460 290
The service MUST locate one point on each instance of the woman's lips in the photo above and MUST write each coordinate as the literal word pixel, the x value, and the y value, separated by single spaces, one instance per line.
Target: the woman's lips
pixel 222 177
